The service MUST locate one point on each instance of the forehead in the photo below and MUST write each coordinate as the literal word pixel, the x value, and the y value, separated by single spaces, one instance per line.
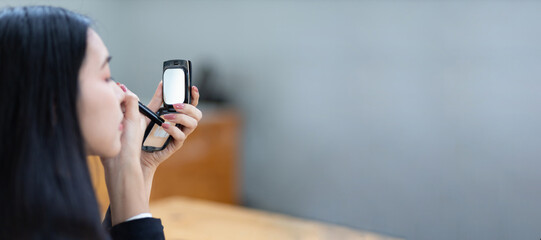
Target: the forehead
pixel 95 47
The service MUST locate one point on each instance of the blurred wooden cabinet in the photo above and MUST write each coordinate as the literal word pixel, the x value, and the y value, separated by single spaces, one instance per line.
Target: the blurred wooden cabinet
pixel 206 167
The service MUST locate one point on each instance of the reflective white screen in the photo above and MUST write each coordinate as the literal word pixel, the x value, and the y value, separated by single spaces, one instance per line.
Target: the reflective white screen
pixel 173 86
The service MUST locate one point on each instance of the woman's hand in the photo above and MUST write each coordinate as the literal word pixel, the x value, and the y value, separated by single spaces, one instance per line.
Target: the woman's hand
pixel 187 115
pixel 124 177
pixel 133 131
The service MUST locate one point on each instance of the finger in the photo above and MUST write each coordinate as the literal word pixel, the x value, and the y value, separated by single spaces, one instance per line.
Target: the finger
pixel 175 132
pixel 188 122
pixel 189 110
pixel 195 96
pixel 156 100
pixel 131 102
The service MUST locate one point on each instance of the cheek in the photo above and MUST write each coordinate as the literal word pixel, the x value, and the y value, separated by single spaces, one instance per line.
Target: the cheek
pixel 98 114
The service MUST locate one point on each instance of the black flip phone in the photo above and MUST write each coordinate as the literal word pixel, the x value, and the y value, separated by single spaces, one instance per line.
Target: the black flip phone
pixel 176 88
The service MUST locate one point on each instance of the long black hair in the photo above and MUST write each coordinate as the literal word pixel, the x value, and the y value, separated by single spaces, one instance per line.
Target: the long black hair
pixel 46 191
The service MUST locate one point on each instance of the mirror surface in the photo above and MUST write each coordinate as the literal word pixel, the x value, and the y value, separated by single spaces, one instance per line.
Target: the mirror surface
pixel 173 86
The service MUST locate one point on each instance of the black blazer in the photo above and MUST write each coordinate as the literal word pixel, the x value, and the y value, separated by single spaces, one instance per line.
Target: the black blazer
pixel 143 228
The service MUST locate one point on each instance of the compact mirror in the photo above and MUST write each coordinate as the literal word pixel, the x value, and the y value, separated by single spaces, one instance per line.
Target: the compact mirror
pixel 156 138
pixel 176 88
pixel 173 86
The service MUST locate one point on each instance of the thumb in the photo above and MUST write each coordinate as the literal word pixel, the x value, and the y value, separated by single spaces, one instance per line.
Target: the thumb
pixel 156 100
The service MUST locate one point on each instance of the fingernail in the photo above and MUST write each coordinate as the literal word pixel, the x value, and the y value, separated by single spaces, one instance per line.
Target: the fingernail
pixel 178 105
pixel 195 88
pixel 123 87
pixel 165 125
pixel 169 116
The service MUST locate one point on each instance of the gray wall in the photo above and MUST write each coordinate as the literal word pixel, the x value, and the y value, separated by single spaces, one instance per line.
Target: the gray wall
pixel 416 119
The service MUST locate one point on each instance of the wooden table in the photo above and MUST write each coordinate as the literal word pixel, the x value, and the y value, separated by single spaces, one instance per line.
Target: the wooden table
pixel 189 218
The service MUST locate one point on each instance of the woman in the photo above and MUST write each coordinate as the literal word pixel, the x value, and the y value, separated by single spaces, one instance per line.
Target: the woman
pixel 61 105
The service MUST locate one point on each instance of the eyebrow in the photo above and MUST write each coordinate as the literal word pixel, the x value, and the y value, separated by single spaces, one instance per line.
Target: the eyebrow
pixel 106 61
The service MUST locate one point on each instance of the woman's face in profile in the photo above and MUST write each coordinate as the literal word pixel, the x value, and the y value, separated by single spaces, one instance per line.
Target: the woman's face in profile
pixel 99 101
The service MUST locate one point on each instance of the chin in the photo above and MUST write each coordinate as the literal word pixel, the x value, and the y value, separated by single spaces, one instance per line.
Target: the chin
pixel 116 150
pixel 112 151
pixel 106 147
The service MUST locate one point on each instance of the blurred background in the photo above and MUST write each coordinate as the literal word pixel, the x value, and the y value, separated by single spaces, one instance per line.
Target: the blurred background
pixel 415 119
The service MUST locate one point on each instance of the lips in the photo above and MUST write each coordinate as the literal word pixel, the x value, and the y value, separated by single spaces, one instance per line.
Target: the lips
pixel 121 125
